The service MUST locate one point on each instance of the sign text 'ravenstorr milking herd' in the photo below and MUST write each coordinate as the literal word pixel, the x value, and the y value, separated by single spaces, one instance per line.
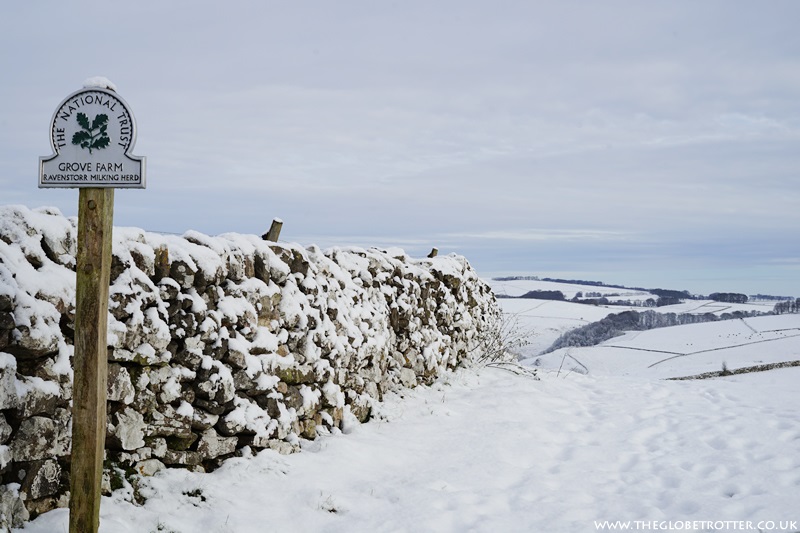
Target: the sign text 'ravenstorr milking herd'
pixel 92 134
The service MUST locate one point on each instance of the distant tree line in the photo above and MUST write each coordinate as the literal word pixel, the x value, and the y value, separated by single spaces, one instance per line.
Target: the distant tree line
pixel 602 300
pixel 544 295
pixel 769 297
pixel 672 294
pixel 728 297
pixel 583 282
pixel 788 306
pixel 617 324
pixel 650 302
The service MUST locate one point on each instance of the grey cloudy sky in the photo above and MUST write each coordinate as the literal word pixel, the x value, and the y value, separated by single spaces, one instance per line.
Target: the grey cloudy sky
pixel 645 143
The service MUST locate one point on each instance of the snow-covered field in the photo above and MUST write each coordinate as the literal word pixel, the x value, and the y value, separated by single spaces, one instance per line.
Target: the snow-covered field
pixel 489 450
pixel 687 350
pixel 543 321
pixel 546 320
pixel 518 287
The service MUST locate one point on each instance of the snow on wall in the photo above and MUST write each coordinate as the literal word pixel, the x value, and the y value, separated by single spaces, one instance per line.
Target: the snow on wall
pixel 215 343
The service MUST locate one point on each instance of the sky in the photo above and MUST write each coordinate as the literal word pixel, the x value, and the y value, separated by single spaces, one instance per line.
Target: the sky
pixel 639 143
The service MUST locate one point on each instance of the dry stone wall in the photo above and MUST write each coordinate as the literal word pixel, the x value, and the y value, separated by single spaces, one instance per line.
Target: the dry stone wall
pixel 215 344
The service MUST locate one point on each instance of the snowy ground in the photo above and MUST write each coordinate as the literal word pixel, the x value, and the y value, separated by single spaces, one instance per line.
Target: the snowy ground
pixel 686 350
pixel 518 287
pixel 488 450
pixel 546 320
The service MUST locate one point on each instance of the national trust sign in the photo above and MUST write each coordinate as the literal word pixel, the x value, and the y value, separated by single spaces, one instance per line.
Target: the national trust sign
pixel 92 135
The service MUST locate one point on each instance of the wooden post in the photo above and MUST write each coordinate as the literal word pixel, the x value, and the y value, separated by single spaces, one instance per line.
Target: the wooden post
pixel 274 230
pixel 93 272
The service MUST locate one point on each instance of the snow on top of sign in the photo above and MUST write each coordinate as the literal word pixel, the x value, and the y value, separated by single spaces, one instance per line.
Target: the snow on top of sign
pixel 99 81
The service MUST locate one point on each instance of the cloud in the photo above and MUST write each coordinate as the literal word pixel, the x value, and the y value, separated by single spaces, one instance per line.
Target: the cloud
pixel 524 134
pixel 538 235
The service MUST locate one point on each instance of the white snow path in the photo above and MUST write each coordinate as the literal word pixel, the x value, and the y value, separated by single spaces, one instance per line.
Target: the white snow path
pixel 496 452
